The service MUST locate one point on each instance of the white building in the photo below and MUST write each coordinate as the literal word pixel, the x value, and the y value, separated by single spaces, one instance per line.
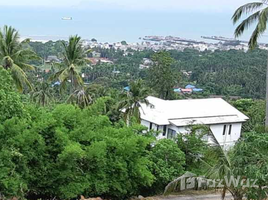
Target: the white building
pixel 175 116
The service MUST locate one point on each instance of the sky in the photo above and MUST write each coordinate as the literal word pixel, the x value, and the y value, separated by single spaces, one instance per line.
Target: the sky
pixel 179 5
pixel 117 20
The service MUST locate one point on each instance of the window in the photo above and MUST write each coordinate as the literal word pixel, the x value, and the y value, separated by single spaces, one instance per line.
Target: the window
pixel 151 125
pixel 157 127
pixel 164 130
pixel 230 130
pixel 224 130
pixel 171 134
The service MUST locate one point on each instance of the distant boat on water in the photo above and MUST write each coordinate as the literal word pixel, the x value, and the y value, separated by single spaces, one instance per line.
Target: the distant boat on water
pixel 67 18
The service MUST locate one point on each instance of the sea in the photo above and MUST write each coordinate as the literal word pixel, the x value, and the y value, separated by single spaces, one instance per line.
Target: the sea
pixel 46 23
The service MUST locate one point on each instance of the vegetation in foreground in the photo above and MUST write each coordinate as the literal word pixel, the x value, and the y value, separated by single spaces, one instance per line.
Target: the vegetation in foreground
pixel 62 141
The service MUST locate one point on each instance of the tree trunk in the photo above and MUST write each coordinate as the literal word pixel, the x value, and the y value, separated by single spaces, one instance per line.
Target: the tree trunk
pixel 128 120
pixel 266 114
pixel 237 196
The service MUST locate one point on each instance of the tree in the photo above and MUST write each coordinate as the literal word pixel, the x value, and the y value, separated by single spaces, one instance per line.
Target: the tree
pixel 168 163
pixel 222 169
pixel 250 160
pixel 162 78
pixel 195 148
pixel 81 98
pixel 66 152
pixel 10 102
pixel 132 100
pixel 42 94
pixel 73 56
pixel 15 56
pixel 124 43
pixel 255 110
pixel 259 15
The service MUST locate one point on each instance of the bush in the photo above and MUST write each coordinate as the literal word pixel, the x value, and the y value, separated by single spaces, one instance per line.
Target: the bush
pixel 70 152
pixel 10 102
pixel 168 163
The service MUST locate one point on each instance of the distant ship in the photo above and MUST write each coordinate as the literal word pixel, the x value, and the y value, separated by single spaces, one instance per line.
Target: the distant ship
pixel 67 18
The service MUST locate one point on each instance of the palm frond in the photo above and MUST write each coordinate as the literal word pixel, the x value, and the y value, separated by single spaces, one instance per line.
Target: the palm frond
pixel 260 28
pixel 245 24
pixel 245 9
pixel 25 66
pixel 172 186
pixel 19 77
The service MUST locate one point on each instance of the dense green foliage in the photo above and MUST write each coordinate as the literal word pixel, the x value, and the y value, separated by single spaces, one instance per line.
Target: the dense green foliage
pixel 250 160
pixel 255 110
pixel 10 102
pixel 69 152
pixel 168 163
pixel 60 144
pixel 66 151
pixel 227 73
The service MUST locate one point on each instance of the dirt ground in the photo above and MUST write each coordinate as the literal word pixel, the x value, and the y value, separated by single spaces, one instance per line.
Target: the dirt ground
pixel 195 195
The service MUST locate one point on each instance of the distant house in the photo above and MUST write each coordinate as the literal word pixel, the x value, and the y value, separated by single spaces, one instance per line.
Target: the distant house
pixel 197 90
pixel 96 54
pixel 189 86
pixel 127 88
pixel 175 116
pixel 189 89
pixel 95 61
pixel 52 59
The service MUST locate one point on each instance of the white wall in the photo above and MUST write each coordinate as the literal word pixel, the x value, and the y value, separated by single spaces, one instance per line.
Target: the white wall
pixel 227 139
pixel 217 129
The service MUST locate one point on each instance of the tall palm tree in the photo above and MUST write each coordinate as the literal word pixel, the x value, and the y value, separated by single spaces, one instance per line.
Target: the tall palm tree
pixel 42 94
pixel 74 56
pixel 15 56
pixel 132 100
pixel 257 14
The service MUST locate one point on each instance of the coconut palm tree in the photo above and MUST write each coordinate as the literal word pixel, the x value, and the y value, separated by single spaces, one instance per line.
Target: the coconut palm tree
pixel 74 56
pixel 256 15
pixel 80 97
pixel 42 94
pixel 15 56
pixel 132 100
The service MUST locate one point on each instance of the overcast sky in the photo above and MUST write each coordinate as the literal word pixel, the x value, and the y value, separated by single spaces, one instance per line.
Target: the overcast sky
pixel 180 5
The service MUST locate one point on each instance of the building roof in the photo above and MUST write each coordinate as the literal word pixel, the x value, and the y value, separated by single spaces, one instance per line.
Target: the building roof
pixel 190 112
pixel 187 90
pixel 189 86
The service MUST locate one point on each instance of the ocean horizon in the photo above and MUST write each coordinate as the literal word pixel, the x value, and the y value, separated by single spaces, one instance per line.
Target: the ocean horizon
pixel 45 23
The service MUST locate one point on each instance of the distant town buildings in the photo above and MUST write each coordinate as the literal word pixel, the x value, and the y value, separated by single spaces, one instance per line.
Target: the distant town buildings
pixel 157 43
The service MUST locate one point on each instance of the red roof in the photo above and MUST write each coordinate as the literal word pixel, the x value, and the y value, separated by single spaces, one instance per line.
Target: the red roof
pixel 186 90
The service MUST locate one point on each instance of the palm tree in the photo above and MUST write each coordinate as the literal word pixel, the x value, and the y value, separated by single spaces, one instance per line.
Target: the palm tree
pixel 74 56
pixel 220 170
pixel 132 100
pixel 15 56
pixel 97 91
pixel 42 94
pixel 258 14
pixel 80 97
